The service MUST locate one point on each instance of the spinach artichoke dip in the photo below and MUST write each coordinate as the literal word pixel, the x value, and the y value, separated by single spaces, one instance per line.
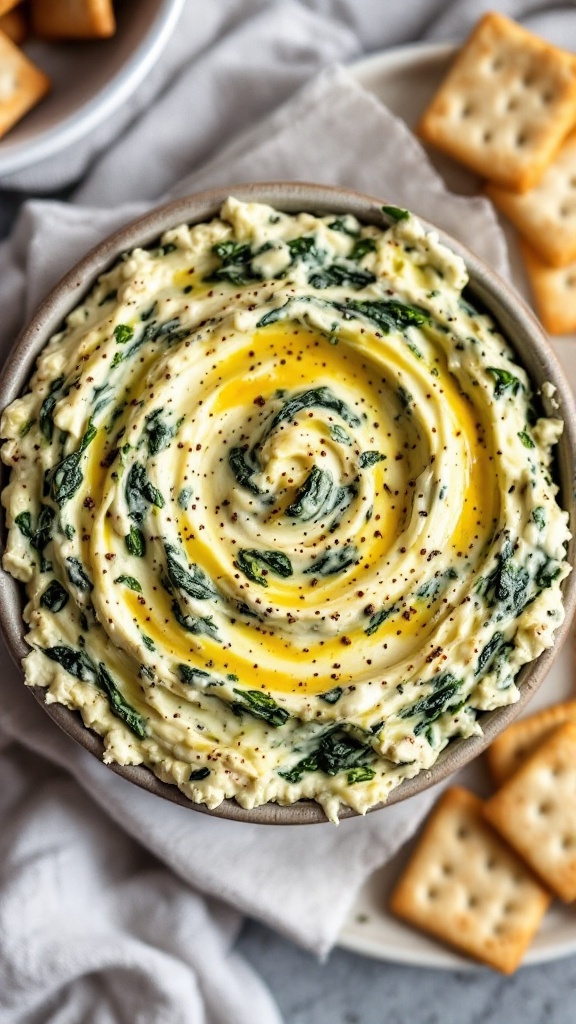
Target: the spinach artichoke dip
pixel 281 498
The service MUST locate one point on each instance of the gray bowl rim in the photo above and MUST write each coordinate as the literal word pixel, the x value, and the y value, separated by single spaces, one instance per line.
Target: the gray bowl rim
pixel 518 324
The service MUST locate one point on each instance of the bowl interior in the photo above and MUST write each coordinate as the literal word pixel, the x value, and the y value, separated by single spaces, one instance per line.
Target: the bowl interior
pixel 499 299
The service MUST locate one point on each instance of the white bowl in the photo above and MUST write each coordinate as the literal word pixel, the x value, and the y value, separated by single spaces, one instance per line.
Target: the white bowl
pixel 90 81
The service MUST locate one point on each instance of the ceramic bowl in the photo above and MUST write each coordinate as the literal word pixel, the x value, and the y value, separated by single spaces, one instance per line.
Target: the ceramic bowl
pixel 89 81
pixel 517 323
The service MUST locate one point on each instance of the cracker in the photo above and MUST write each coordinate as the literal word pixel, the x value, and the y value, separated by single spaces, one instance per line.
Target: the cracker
pixel 15 26
pixel 7 5
pixel 22 84
pixel 535 811
pixel 72 19
pixel 513 746
pixel 553 290
pixel 465 886
pixel 506 104
pixel 546 215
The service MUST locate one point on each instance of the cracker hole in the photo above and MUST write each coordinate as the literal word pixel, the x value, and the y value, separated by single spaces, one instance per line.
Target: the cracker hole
pixel 491 863
pixel 467 110
pixel 499 929
pixel 462 832
pixel 567 842
pixel 528 80
pixel 447 870
pixel 521 139
pixel 509 908
pixel 547 97
pixel 487 137
pixel 473 902
pixel 432 893
pixel 496 64
pixel 571 281
pixel 512 104
pixel 572 182
pixel 545 807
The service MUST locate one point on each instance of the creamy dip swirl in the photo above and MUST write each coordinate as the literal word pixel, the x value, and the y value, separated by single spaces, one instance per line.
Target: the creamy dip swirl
pixel 282 501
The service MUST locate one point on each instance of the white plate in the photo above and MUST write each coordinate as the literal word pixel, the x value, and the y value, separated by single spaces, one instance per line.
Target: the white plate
pixel 89 81
pixel 404 80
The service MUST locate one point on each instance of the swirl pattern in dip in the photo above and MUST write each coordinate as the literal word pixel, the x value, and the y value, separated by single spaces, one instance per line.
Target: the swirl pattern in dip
pixel 281 499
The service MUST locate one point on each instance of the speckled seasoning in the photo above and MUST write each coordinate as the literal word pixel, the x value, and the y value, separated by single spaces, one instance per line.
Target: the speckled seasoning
pixel 281 500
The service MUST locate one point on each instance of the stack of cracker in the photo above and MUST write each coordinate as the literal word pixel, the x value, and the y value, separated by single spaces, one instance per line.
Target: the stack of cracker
pixel 484 872
pixel 22 83
pixel 507 110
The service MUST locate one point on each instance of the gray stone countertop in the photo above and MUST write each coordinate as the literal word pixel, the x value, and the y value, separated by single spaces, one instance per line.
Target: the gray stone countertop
pixel 351 989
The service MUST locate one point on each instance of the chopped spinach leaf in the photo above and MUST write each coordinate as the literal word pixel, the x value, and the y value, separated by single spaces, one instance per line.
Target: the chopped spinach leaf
pixel 363 773
pixel 24 523
pixel 26 428
pixel 118 705
pixel 76 574
pixel 526 439
pixel 261 705
pixel 47 408
pixel 332 696
pixel 313 496
pixel 538 516
pixel 135 542
pixel 140 493
pixel 66 478
pixel 435 703
pixel 386 315
pixel 434 586
pixel 253 563
pixel 243 470
pixel 339 434
pixel 376 620
pixel 76 663
pixel 42 535
pixel 396 212
pixel 487 653
pixel 123 333
pixel 184 497
pixel 195 624
pixel 323 398
pixel 159 432
pixel 304 248
pixel 370 459
pixel 337 276
pixel 505 381
pixel 333 562
pixel 193 676
pixel 129 582
pixel 192 581
pixel 55 597
pixel 346 225
pixel 336 752
pixel 548 573
pixel 507 585
pixel 235 263
pixel 362 247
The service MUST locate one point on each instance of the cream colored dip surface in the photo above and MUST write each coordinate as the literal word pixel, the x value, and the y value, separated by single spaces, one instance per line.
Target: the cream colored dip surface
pixel 281 500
